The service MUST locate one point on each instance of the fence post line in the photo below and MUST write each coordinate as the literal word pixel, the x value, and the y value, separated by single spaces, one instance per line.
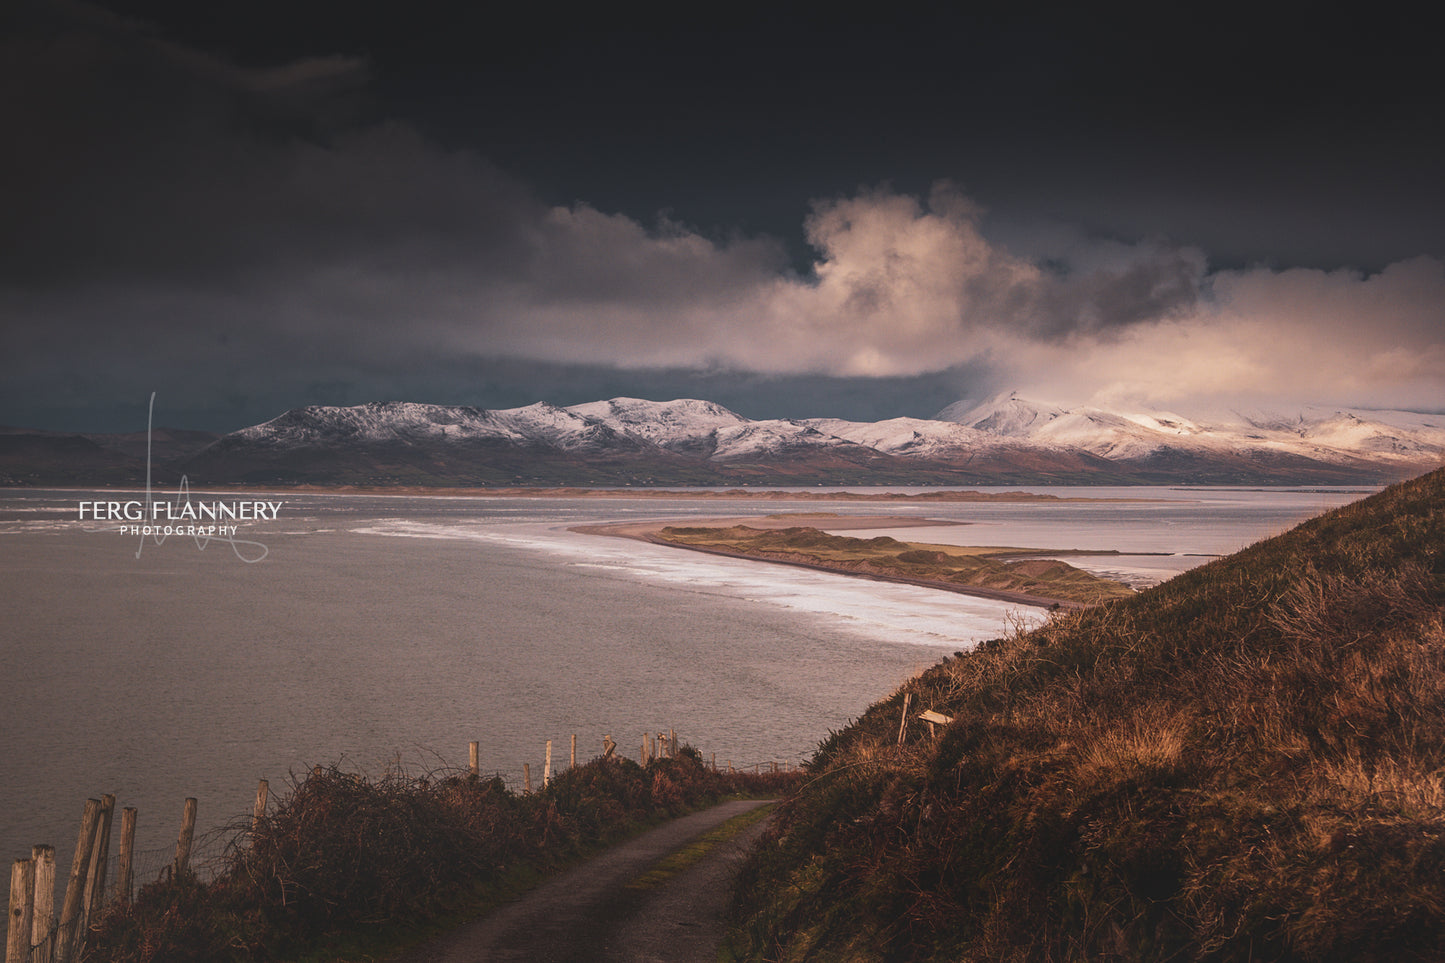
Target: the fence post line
pixel 547 769
pixel 22 911
pixel 188 834
pixel 99 863
pixel 42 929
pixel 263 793
pixel 474 758
pixel 67 939
pixel 125 861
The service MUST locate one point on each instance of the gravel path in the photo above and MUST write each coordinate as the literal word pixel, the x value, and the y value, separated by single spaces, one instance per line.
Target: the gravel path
pixel 590 915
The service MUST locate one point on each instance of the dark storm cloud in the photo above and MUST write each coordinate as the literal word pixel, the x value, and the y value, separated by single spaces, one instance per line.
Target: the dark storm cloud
pixel 247 238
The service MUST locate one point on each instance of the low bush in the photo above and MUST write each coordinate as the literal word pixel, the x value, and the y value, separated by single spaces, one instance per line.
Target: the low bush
pixel 344 856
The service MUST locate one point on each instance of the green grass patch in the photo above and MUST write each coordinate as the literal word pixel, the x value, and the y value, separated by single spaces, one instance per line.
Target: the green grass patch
pixel 697 850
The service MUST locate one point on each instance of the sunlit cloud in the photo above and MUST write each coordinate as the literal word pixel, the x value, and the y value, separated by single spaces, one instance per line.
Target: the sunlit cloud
pixel 225 257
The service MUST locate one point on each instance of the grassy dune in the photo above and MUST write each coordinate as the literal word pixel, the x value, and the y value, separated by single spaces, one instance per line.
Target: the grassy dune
pixel 1245 763
pixel 949 565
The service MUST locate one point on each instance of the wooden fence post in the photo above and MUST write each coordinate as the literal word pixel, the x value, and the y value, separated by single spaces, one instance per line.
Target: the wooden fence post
pixel 574 751
pixel 68 936
pixel 474 758
pixel 608 747
pixel 527 776
pixel 258 811
pixel 903 723
pixel 547 769
pixel 187 836
pixel 125 861
pixel 42 929
pixel 99 863
pixel 22 911
pixel 672 743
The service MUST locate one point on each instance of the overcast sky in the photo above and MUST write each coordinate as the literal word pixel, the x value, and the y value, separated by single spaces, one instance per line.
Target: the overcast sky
pixel 247 207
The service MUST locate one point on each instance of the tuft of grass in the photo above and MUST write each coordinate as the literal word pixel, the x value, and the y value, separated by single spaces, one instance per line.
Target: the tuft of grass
pixel 1247 762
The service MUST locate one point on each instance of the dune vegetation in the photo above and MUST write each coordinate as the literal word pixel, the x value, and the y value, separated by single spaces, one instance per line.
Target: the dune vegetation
pixel 1244 763
pixel 1000 570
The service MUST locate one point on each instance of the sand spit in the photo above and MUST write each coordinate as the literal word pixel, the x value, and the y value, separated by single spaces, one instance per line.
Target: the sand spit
pixel 650 531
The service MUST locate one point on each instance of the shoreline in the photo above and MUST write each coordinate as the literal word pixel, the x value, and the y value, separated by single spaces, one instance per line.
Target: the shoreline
pixel 947 495
pixel 647 531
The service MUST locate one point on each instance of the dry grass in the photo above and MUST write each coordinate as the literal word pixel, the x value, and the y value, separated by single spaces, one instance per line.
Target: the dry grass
pixel 1245 763
pixel 345 861
pixel 925 562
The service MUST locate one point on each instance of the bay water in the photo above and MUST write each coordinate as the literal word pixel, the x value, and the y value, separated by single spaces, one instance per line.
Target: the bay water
pixel 380 633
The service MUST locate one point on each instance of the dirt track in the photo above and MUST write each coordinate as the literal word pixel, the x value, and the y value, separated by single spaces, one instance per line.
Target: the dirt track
pixel 590 915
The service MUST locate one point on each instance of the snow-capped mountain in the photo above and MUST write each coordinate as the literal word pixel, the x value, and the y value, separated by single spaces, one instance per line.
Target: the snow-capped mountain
pixel 406 423
pixel 1343 437
pixel 684 425
pixel 1005 440
pixel 1005 414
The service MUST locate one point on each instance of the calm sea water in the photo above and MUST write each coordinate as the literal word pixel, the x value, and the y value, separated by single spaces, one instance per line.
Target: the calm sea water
pixel 384 631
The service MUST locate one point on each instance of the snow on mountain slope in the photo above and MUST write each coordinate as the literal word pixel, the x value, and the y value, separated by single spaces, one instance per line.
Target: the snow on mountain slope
pixel 1332 435
pixel 708 429
pixel 771 438
pixel 684 425
pixel 907 437
pixel 373 423
pixel 1006 414
pixel 1110 435
pixel 560 428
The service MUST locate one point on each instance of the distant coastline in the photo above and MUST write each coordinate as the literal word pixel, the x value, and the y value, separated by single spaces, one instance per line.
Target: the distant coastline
pixel 729 494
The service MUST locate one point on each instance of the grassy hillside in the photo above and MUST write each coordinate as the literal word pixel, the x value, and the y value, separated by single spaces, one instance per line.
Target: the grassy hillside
pixel 1245 763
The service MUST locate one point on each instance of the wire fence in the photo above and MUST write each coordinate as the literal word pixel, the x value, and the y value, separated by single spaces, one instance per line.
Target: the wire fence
pixel 50 930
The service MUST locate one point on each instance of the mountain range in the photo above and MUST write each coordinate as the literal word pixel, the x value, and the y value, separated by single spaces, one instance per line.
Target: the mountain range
pixel 628 441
